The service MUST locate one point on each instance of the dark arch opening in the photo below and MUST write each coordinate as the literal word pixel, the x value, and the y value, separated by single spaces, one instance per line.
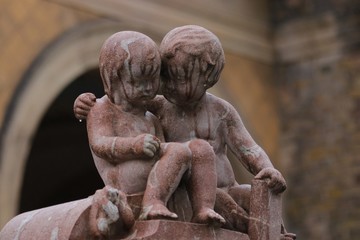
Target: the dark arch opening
pixel 59 167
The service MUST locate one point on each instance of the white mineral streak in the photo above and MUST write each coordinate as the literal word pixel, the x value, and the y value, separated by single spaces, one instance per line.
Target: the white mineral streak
pixel 125 45
pixel 111 211
pixel 113 146
pixel 103 225
pixel 23 224
pixel 147 139
pixel 153 179
pixel 54 234
pixel 145 212
pixel 253 151
pixel 124 205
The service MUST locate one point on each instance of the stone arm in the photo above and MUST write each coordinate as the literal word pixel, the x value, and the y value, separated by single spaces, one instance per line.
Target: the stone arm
pixel 251 155
pixel 85 101
pixel 82 105
pixel 116 149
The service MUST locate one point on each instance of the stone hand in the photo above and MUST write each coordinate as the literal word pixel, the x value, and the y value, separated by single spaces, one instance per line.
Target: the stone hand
pixel 275 180
pixel 146 144
pixel 83 104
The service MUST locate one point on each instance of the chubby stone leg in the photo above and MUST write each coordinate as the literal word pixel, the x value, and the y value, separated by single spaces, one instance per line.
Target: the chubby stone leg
pixel 237 218
pixel 202 183
pixel 241 195
pixel 163 179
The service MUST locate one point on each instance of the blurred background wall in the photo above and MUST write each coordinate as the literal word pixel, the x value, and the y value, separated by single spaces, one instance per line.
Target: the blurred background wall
pixel 318 71
pixel 292 72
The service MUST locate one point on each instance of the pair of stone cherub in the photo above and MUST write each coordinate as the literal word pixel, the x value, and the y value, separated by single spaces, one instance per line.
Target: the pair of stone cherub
pixel 144 142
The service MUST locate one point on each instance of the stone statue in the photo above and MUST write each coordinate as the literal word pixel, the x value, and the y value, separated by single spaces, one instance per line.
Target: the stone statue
pixel 127 140
pixel 146 147
pixel 191 62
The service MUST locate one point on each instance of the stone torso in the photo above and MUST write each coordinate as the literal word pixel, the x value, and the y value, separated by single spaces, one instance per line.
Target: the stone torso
pixel 205 121
pixel 128 176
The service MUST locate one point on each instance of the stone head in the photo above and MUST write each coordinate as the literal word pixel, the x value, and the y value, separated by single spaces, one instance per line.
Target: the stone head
pixel 130 67
pixel 192 60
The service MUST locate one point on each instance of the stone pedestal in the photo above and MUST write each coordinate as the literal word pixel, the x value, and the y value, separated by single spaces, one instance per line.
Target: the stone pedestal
pixel 165 230
pixel 63 221
pixel 265 212
pixel 71 221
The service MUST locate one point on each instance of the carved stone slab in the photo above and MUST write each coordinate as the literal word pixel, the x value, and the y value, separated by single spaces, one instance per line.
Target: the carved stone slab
pixel 165 230
pixel 63 221
pixel 265 212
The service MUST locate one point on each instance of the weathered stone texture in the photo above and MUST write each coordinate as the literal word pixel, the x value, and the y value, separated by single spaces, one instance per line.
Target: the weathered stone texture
pixel 321 125
pixel 322 130
pixel 160 229
pixel 265 215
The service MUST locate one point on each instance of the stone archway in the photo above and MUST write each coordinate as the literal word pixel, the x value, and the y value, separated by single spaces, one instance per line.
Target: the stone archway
pixel 59 166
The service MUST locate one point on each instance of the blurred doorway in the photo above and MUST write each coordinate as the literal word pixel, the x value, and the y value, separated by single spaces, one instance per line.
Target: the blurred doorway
pixel 59 167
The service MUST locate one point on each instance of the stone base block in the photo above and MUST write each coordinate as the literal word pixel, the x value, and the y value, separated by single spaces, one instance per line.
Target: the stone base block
pixel 163 229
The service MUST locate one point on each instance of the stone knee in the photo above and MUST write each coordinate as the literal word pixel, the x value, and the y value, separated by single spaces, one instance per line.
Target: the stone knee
pixel 179 152
pixel 200 144
pixel 202 151
pixel 203 178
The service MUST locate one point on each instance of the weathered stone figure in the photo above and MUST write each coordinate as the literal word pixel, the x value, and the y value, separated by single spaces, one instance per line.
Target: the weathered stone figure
pixel 192 60
pixel 126 139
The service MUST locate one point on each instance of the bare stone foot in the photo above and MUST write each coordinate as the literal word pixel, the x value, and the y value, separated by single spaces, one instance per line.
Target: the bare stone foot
pixel 209 216
pixel 157 211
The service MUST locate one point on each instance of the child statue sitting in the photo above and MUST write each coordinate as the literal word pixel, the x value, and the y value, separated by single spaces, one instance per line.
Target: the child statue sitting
pixel 192 61
pixel 126 140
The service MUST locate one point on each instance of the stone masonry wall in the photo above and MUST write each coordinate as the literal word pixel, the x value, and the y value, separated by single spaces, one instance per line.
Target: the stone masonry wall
pixel 322 138
pixel 318 48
